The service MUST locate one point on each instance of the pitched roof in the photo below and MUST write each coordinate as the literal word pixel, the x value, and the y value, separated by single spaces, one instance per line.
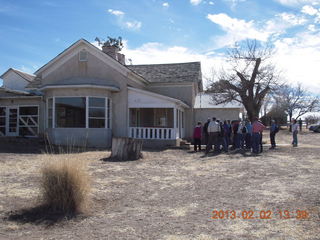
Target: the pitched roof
pixel 204 100
pixel 26 76
pixel 6 92
pixel 169 73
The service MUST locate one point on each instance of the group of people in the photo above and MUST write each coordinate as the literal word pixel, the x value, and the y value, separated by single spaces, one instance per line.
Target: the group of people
pixel 240 134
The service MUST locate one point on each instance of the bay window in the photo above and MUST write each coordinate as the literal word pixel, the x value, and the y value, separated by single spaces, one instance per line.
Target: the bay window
pixel 78 112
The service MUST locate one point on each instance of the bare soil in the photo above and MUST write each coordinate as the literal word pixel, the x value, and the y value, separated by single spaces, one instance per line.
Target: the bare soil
pixel 171 194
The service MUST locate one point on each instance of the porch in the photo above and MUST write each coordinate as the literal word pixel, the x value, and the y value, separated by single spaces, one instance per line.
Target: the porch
pixel 19 121
pixel 155 117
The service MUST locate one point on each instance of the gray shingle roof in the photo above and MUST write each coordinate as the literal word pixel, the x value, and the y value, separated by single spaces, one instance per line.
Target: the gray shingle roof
pixel 167 73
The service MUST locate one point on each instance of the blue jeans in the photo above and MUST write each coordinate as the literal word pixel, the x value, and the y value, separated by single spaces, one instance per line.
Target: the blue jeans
pixel 295 138
pixel 256 142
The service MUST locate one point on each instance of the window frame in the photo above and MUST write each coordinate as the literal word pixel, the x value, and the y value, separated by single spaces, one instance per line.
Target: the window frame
pixel 107 118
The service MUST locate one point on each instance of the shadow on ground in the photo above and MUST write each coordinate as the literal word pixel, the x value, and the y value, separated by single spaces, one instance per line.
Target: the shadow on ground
pixel 38 215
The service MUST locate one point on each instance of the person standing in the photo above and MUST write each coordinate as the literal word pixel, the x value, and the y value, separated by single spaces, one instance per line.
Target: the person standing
pixel 235 127
pixel 226 135
pixel 197 136
pixel 248 134
pixel 300 124
pixel 205 131
pixel 257 129
pixel 241 134
pixel 294 128
pixel 213 130
pixel 274 128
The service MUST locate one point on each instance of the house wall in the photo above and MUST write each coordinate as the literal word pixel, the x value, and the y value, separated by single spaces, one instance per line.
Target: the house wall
pixel 222 114
pixel 96 71
pixel 14 81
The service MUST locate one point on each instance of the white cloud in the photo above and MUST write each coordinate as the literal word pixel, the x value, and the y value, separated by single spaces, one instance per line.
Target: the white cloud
pixel 211 3
pixel 195 2
pixel 307 9
pixel 124 22
pixel 165 4
pixel 239 29
pixel 294 3
pixel 156 53
pixel 133 25
pixel 115 12
pixel 299 58
pixel 236 29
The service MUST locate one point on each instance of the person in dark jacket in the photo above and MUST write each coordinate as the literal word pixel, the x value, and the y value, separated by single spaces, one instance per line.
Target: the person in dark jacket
pixel 197 136
pixel 273 131
pixel 205 131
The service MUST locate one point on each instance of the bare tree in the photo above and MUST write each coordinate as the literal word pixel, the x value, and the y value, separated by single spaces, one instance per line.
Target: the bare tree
pixel 251 78
pixel 296 100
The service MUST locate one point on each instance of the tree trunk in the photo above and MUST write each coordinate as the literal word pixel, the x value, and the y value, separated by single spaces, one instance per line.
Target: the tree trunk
pixel 124 149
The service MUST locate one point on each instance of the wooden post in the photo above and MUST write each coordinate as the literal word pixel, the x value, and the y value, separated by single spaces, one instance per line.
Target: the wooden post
pixel 124 148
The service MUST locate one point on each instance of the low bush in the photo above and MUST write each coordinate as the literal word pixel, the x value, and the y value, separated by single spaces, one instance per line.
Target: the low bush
pixel 65 185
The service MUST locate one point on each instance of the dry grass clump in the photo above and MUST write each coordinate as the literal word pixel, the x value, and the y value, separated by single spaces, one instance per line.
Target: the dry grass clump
pixel 65 185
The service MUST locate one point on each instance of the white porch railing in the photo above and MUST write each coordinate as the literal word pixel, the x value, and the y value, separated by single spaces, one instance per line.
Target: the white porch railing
pixel 152 133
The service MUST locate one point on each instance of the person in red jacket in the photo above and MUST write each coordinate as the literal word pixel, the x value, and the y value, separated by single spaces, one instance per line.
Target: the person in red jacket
pixel 197 136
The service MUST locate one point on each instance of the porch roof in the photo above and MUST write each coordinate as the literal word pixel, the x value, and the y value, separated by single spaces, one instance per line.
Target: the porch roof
pixel 142 98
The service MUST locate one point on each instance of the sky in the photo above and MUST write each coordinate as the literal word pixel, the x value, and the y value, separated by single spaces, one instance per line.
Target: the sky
pixel 165 31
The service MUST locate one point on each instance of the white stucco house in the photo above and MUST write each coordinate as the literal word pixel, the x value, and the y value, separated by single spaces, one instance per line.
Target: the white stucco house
pixel 85 96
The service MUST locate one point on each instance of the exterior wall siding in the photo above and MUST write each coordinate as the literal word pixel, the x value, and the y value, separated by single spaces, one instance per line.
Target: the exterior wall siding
pixel 14 81
pixel 222 114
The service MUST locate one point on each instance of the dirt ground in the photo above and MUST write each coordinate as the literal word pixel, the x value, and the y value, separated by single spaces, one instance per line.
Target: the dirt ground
pixel 171 194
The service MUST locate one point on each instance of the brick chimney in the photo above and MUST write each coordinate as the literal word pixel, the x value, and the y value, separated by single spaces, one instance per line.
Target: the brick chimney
pixel 113 52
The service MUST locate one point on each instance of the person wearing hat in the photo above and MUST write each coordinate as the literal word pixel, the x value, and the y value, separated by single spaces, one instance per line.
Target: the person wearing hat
pixel 273 131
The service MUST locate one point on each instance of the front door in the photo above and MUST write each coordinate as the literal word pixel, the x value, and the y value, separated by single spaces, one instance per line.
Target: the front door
pixel 12 127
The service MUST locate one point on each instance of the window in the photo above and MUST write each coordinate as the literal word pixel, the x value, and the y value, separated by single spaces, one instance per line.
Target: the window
pixel 79 112
pixel 2 121
pixel 151 117
pixel 83 56
pixel 182 119
pixel 108 113
pixel 97 112
pixel 28 121
pixel 50 112
pixel 70 112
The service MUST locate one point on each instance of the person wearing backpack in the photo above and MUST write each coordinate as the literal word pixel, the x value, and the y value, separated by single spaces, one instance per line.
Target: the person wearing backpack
pixel 274 128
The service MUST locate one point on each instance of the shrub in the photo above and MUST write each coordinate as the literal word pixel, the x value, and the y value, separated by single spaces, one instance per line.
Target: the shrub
pixel 65 185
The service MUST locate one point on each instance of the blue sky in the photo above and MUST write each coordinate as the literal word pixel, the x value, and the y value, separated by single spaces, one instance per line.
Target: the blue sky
pixel 33 32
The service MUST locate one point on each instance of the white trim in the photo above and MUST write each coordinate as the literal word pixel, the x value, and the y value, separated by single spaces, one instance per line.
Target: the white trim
pixel 152 94
pixel 87 112
pixel 115 89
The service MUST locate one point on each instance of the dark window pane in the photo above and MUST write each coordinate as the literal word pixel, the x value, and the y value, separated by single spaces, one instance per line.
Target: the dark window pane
pixel 2 111
pixel 71 112
pixel 2 121
pixel 97 102
pixel 96 112
pixel 23 131
pixel 2 130
pixel 28 111
pixel 96 123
